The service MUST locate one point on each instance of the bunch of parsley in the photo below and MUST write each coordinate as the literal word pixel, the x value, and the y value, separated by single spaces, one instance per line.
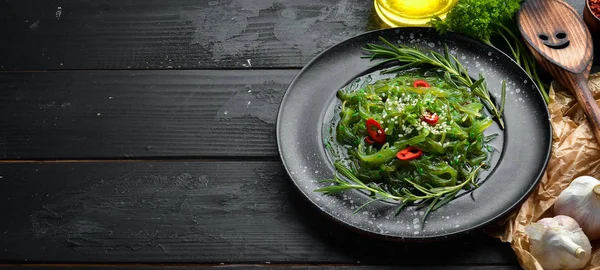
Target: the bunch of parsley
pixel 493 22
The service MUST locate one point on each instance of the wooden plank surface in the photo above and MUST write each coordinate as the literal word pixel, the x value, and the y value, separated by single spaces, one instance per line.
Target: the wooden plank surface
pixel 177 34
pixel 256 266
pixel 192 212
pixel 132 114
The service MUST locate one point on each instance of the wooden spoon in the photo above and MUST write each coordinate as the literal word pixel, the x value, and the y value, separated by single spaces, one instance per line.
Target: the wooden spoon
pixel 562 44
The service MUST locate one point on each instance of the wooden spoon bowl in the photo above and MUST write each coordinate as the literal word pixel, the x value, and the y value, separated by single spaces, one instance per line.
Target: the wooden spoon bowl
pixel 562 44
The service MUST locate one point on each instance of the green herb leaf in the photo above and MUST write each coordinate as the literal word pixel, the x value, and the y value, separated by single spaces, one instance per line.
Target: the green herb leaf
pixel 503 97
pixel 366 204
pixel 477 84
pixel 402 205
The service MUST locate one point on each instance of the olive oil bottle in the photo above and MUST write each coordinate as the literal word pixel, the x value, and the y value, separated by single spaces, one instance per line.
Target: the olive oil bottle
pixel 411 12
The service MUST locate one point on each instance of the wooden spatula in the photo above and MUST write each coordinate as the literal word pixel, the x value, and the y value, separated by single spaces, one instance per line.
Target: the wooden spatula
pixel 562 44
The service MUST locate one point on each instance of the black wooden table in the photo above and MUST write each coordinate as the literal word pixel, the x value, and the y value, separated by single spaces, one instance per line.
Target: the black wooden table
pixel 141 134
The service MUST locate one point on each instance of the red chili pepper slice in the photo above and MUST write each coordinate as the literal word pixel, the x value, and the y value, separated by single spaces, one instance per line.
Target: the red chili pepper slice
pixel 369 141
pixel 431 118
pixel 409 153
pixel 375 131
pixel 421 83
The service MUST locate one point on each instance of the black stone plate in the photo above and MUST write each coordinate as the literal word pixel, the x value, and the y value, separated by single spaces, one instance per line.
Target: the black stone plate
pixel 307 110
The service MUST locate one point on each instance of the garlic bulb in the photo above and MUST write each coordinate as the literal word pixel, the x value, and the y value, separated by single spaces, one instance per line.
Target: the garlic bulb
pixel 559 243
pixel 581 201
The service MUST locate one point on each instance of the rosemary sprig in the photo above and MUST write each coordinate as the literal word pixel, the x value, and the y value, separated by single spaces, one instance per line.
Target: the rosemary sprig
pixel 454 72
pixel 435 197
pixel 521 55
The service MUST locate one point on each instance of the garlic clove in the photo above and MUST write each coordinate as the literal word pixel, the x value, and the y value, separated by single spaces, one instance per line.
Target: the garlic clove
pixel 581 201
pixel 559 243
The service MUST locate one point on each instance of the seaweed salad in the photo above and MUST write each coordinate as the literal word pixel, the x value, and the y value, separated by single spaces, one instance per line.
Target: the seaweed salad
pixel 416 137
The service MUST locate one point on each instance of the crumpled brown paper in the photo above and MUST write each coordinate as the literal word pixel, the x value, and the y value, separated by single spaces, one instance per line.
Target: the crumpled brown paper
pixel 575 152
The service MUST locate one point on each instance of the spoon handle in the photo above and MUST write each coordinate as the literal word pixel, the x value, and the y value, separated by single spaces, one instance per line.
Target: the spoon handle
pixel 578 84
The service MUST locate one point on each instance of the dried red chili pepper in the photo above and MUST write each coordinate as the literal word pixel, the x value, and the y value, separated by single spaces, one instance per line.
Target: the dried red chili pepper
pixel 421 83
pixel 375 131
pixel 431 118
pixel 409 153
pixel 595 7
